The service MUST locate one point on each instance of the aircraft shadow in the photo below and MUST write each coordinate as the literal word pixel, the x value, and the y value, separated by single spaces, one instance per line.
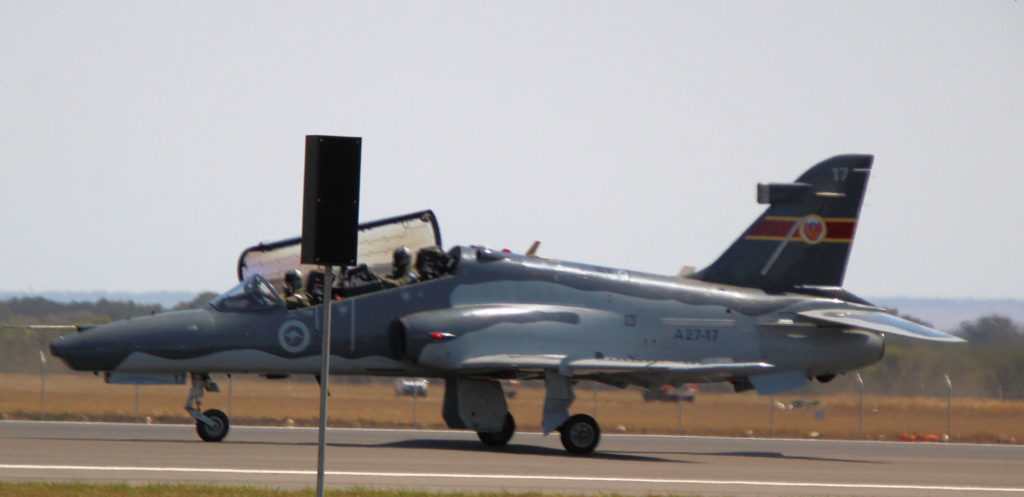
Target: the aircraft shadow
pixel 429 444
pixel 532 450
pixel 520 449
pixel 766 455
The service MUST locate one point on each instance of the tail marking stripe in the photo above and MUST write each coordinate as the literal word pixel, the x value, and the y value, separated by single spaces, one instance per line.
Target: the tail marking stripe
pixel 779 228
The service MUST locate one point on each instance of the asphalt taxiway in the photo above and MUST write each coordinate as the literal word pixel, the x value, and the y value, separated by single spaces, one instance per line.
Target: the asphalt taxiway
pixel 450 460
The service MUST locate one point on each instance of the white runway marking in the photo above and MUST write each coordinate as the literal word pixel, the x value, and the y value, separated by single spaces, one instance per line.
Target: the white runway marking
pixel 242 471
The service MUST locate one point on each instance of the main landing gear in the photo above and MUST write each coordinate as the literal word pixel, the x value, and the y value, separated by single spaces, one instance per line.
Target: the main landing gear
pixel 212 424
pixel 580 434
pixel 499 438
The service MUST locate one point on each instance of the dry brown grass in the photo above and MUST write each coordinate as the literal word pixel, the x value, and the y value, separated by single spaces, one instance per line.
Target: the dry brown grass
pixel 258 401
pixel 185 490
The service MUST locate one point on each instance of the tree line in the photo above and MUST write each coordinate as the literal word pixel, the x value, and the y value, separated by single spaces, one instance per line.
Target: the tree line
pixel 989 365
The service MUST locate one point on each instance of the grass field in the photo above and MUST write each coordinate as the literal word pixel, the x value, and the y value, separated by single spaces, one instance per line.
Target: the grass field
pixel 254 400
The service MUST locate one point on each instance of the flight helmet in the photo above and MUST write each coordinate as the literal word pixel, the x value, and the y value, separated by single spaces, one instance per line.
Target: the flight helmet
pixel 293 279
pixel 402 257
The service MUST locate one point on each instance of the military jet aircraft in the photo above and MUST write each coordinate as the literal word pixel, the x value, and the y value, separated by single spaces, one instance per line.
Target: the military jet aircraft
pixel 770 314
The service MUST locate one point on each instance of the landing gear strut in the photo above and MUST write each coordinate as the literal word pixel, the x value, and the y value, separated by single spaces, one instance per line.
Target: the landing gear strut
pixel 212 425
pixel 580 433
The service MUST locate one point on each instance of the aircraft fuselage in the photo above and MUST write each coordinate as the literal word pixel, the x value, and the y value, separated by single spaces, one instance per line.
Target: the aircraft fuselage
pixel 769 314
pixel 493 303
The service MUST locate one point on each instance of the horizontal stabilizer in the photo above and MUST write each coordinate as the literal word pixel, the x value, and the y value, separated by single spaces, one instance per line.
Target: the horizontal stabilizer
pixel 878 322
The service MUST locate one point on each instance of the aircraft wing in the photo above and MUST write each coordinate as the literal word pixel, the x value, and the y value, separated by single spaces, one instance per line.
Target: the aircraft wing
pixel 596 366
pixel 879 322
pixel 523 362
pixel 582 366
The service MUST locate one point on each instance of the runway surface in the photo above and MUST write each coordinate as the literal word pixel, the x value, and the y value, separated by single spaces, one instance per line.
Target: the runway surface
pixel 449 460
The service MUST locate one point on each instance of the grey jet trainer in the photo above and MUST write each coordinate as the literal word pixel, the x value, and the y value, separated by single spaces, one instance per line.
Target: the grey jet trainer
pixel 770 314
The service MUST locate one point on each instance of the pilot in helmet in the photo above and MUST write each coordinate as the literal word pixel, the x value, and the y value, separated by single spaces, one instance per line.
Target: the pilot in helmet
pixel 431 262
pixel 402 272
pixel 294 295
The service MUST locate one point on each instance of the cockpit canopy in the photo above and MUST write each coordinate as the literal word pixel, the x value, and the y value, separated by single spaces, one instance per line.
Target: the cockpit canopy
pixel 377 242
pixel 252 294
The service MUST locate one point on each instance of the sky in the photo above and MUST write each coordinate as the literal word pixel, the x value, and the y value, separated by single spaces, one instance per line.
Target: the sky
pixel 146 144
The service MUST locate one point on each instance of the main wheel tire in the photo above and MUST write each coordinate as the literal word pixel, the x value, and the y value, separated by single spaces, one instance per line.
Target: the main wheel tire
pixel 580 434
pixel 220 427
pixel 499 438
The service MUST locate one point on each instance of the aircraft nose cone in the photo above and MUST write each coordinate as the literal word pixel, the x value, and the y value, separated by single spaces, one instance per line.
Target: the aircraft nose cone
pixel 105 347
pixel 58 348
pixel 84 352
pixel 70 350
pixel 65 347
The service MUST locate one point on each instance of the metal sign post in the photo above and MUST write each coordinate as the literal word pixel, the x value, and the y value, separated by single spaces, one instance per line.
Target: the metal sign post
pixel 949 410
pixel 325 372
pixel 860 381
pixel 415 423
pixel 679 415
pixel 330 232
pixel 42 387
pixel 231 392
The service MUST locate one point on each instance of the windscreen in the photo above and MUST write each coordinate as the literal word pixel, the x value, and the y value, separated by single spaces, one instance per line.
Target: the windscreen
pixel 252 294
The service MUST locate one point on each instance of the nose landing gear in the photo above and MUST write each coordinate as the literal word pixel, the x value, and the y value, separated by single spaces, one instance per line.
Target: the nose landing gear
pixel 215 427
pixel 212 425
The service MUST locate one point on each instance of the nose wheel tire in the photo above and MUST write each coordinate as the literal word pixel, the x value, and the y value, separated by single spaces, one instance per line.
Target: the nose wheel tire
pixel 499 438
pixel 219 428
pixel 580 434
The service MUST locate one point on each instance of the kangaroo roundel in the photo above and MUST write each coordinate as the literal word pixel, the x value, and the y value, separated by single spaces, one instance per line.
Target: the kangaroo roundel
pixel 813 229
pixel 293 336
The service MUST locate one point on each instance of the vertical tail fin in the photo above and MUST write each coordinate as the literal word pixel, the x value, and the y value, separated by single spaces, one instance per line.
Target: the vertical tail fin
pixel 802 241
